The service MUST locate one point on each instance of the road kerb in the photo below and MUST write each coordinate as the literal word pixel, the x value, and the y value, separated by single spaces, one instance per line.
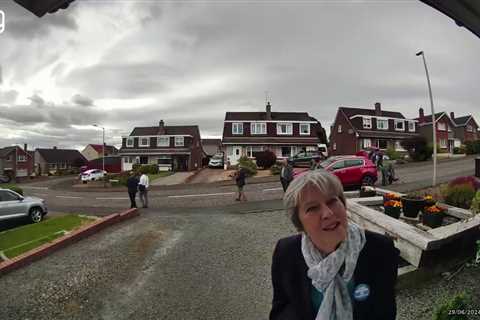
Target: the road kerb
pixel 62 242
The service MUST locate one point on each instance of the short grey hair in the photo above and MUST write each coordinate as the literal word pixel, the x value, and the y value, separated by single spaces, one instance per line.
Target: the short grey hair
pixel 324 181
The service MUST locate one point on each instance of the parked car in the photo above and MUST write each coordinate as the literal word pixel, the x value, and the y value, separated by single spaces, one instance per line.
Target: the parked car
pixel 14 205
pixel 304 158
pixel 5 178
pixel 351 170
pixel 92 175
pixel 216 161
pixel 323 150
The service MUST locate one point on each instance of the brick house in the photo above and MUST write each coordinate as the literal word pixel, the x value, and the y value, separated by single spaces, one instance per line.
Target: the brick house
pixel 444 129
pixel 466 129
pixel 52 160
pixel 355 129
pixel 16 162
pixel 175 148
pixel 94 151
pixel 284 133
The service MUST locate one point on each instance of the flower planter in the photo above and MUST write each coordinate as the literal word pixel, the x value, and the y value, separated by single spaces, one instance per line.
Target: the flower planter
pixel 411 207
pixel 433 220
pixel 393 212
pixel 367 193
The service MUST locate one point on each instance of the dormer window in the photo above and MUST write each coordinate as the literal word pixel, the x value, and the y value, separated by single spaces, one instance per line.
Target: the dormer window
pixel 284 128
pixel 22 158
pixel 382 124
pixel 411 126
pixel 367 123
pixel 441 126
pixel 144 141
pixel 237 128
pixel 129 142
pixel 470 128
pixel 399 125
pixel 163 141
pixel 305 128
pixel 258 128
pixel 339 128
pixel 179 141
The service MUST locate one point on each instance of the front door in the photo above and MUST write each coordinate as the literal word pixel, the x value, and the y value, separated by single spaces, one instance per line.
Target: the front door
pixel 236 154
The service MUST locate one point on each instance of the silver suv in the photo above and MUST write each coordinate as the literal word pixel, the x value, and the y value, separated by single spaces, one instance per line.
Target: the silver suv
pixel 13 205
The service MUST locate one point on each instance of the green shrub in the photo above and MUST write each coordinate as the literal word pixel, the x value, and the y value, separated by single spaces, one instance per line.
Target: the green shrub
pixel 418 148
pixel 472 147
pixel 459 195
pixel 249 166
pixel 265 159
pixel 459 301
pixel 393 154
pixel 12 187
pixel 145 168
pixel 275 169
pixel 476 203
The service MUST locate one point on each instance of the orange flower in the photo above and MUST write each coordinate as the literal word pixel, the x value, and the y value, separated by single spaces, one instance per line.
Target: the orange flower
pixel 392 203
pixel 392 196
pixel 434 209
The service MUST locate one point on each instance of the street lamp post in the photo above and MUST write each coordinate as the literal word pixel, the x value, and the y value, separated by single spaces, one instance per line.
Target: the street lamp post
pixel 434 125
pixel 103 150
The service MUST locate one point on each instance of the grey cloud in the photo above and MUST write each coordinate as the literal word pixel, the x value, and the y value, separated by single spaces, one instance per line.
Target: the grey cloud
pixel 36 100
pixel 82 100
pixel 8 96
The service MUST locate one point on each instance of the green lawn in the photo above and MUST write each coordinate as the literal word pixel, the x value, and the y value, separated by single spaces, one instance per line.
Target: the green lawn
pixel 160 174
pixel 19 240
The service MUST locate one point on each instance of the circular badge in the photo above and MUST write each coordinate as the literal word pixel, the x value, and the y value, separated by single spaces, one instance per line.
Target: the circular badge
pixel 361 292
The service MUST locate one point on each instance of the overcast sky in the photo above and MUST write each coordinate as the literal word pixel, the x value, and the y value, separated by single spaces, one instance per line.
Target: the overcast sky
pixel 123 64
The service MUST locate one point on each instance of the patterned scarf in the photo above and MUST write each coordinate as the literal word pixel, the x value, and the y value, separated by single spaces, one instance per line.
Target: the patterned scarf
pixel 326 276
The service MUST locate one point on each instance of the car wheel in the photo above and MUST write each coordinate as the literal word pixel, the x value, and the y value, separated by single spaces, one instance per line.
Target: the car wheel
pixel 368 180
pixel 36 214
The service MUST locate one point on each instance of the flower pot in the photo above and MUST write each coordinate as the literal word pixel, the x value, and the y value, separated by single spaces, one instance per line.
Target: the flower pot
pixel 393 212
pixel 411 207
pixel 368 193
pixel 429 203
pixel 433 220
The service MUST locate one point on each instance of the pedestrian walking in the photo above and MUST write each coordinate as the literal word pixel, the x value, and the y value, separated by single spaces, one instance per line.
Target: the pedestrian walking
pixel 240 177
pixel 286 174
pixel 143 188
pixel 132 186
pixel 315 164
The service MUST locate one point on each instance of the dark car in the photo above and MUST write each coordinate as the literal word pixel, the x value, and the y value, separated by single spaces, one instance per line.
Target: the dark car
pixel 305 158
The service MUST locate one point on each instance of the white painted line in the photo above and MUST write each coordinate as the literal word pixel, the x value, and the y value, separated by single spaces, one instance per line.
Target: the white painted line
pixel 272 189
pixel 201 195
pixel 36 188
pixel 68 197
pixel 124 198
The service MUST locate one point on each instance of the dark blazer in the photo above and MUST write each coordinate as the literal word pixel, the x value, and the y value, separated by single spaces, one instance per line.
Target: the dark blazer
pixel 132 184
pixel 376 267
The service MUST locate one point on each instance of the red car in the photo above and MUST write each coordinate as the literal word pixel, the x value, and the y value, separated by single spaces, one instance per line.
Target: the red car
pixel 351 170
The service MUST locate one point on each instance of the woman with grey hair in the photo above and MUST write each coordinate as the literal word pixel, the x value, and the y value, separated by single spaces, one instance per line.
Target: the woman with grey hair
pixel 333 269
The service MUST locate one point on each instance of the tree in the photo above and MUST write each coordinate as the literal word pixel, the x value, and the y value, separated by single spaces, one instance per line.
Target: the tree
pixel 265 159
pixel 418 148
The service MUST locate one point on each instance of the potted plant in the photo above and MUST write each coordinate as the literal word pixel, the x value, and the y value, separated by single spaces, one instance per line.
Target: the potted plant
pixel 412 203
pixel 367 191
pixel 429 201
pixel 392 208
pixel 433 216
pixel 391 196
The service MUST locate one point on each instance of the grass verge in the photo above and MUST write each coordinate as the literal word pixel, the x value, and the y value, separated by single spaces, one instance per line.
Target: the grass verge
pixel 161 174
pixel 16 241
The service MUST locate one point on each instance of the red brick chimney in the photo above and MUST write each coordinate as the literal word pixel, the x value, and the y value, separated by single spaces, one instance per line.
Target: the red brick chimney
pixel 378 109
pixel 452 115
pixel 421 115
pixel 161 128
pixel 268 109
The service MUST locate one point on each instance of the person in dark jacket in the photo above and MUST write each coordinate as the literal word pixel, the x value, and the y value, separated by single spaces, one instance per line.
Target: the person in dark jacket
pixel 240 180
pixel 286 174
pixel 333 269
pixel 132 186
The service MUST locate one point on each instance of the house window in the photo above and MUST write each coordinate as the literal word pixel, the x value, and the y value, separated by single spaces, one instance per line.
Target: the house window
pixel 469 128
pixel 399 125
pixel 237 128
pixel 441 126
pixel 398 146
pixel 143 159
pixel 252 151
pixel 286 152
pixel 129 142
pixel 179 141
pixel 367 123
pixel 284 128
pixel 62 165
pixel 8 158
pixel 367 143
pixel 411 126
pixel 305 128
pixel 382 144
pixel 259 128
pixel 449 129
pixel 163 141
pixel 144 142
pixel 334 147
pixel 21 158
pixel 339 128
pixel 382 124
pixel 52 166
pixel 443 143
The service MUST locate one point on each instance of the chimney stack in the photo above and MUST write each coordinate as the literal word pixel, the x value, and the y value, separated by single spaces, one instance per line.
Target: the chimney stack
pixel 54 147
pixel 25 147
pixel 452 115
pixel 161 127
pixel 421 115
pixel 378 109
pixel 269 111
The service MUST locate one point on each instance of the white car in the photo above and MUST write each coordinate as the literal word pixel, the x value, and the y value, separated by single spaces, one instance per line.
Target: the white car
pixel 92 175
pixel 216 161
